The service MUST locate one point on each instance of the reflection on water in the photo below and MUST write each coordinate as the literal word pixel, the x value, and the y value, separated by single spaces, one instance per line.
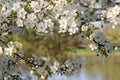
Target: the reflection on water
pixel 94 68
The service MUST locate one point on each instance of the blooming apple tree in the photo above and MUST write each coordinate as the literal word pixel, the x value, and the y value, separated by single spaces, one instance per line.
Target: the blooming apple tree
pixel 71 17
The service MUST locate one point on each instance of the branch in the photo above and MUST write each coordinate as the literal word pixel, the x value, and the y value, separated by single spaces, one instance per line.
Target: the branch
pixel 83 5
pixel 4 43
pixel 51 17
pixel 27 61
pixel 87 6
pixel 47 14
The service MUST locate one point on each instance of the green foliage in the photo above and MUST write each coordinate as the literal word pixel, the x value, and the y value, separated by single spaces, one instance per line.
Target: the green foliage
pixel 108 2
pixel 48 0
pixel 97 0
pixel 68 0
pixel 47 44
pixel 27 8
pixel 113 35
pixel 92 12
pixel 13 12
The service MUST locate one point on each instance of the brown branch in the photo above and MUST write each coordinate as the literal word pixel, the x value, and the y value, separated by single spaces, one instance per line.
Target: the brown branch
pixel 83 5
pixel 56 21
pixel 3 43
pixel 27 61
pixel 49 15
pixel 87 6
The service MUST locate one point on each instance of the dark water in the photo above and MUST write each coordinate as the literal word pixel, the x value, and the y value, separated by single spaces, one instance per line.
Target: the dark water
pixel 95 68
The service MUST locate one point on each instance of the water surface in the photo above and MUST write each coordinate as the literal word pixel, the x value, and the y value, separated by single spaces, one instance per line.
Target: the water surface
pixel 94 68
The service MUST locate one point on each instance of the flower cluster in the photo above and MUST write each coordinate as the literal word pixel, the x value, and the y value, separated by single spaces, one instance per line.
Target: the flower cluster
pixel 42 66
pixel 44 16
pixel 112 15
pixel 11 48
pixel 100 43
pixel 41 15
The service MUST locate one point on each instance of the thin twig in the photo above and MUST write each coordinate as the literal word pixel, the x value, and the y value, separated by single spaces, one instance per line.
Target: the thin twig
pixel 87 6
pixel 49 15
pixel 27 62
pixel 4 43
pixel 81 4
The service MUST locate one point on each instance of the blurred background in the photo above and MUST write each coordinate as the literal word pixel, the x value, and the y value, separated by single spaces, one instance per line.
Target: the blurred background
pixel 64 46
pixel 57 45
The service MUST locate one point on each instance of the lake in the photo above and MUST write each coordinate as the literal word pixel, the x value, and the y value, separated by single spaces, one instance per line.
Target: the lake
pixel 94 68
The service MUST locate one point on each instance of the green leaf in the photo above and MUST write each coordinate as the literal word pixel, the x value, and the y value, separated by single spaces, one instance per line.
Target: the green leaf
pixel 13 12
pixel 48 0
pixel 27 8
pixel 92 12
pixel 68 0
pixel 9 33
pixel 97 0
pixel 108 2
pixel 17 49
pixel 76 15
pixel 94 28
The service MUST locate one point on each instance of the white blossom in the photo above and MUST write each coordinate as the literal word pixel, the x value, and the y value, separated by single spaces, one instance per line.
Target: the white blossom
pixel 70 13
pixel 31 71
pixel 33 4
pixel 42 77
pixel 1 51
pixel 31 17
pixel 18 45
pixel 84 28
pixel 12 48
pixel 49 23
pixel 8 51
pixel 19 22
pixel 60 7
pixel 31 20
pixel 92 36
pixel 63 25
pixel 29 24
pixel 40 27
pixel 93 47
pixel 3 10
pixel 54 67
pixel 16 6
pixel 112 14
pixel 57 1
pixel 50 7
pixel 2 17
pixel 21 13
pixel 116 10
pixel 73 28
